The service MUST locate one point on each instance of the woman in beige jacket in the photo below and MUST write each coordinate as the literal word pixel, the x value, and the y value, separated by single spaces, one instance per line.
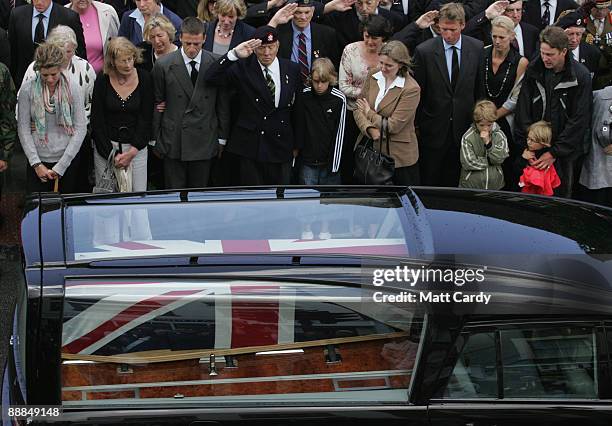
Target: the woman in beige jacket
pixel 392 93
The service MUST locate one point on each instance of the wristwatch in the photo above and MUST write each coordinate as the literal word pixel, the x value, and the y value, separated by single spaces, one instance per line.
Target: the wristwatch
pixel 35 165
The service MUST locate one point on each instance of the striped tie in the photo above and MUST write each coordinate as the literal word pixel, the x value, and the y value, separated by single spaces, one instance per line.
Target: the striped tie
pixel 303 58
pixel 270 84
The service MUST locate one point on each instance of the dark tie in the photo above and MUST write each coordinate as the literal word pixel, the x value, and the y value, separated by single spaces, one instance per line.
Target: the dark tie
pixel 546 14
pixel 39 31
pixel 455 68
pixel 270 84
pixel 194 73
pixel 515 45
pixel 12 4
pixel 303 58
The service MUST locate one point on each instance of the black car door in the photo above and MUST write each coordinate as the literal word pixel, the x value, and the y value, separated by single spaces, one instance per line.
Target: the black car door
pixel 528 373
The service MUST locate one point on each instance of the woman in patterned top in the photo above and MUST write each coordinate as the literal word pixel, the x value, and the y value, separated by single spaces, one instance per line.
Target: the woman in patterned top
pixel 357 60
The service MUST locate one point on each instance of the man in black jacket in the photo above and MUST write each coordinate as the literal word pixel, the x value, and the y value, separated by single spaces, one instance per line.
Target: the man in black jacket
pixel 262 133
pixel 31 23
pixel 557 89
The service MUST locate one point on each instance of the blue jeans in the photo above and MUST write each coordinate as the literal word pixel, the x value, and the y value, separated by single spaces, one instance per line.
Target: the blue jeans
pixel 318 175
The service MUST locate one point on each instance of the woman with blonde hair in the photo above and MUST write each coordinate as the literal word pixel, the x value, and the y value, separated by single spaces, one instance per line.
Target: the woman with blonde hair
pixel 206 10
pixel 502 69
pixel 227 30
pixel 390 93
pixel 51 123
pixel 122 113
pixel 158 41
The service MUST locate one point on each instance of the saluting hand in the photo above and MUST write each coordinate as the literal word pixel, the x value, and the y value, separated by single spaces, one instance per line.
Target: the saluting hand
pixel 426 20
pixel 496 9
pixel 283 15
pixel 246 49
pixel 338 6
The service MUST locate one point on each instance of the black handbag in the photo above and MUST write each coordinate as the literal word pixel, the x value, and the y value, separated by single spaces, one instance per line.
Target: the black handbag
pixel 373 167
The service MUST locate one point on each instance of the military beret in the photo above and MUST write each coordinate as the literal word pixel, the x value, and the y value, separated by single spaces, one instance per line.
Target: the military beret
pixel 266 34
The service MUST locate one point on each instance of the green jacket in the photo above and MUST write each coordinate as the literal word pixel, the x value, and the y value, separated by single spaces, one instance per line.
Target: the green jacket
pixel 8 122
pixel 480 166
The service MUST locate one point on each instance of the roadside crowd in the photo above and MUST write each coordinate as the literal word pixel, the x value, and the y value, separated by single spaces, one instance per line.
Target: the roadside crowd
pixel 513 95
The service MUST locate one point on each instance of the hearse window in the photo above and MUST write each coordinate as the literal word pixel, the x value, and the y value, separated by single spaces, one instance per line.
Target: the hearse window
pixel 550 362
pixel 475 373
pixel 537 362
pixel 135 342
pixel 330 225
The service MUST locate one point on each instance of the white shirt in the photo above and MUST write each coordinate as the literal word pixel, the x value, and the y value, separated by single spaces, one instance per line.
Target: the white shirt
pixel 552 8
pixel 188 60
pixel 137 14
pixel 518 32
pixel 576 53
pixel 405 6
pixel 47 16
pixel 274 71
pixel 380 79
pixel 448 52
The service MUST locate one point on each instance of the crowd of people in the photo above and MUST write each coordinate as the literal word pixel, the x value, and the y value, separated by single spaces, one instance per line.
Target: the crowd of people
pixel 511 94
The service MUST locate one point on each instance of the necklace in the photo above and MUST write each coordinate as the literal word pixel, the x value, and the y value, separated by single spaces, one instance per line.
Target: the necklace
pixel 223 35
pixel 503 83
pixel 122 81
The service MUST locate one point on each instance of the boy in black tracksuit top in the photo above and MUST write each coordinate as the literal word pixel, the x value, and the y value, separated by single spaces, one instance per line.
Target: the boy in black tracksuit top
pixel 319 126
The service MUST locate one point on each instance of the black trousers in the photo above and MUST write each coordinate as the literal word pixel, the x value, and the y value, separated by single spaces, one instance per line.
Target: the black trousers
pixel 254 173
pixel 68 183
pixel 347 164
pixel 186 174
pixel 440 166
pixel 407 176
pixel 566 170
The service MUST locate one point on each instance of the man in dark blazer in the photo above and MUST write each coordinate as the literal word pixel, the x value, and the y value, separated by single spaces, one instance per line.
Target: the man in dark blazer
pixel 447 70
pixel 7 5
pixel 574 25
pixel 22 25
pixel 536 11
pixel 195 123
pixel 526 34
pixel 262 132
pixel 319 40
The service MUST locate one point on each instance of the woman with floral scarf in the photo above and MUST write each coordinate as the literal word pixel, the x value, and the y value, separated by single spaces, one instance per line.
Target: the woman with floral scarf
pixel 51 123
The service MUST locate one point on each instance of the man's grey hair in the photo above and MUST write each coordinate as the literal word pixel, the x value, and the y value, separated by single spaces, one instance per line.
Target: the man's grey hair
pixel 62 35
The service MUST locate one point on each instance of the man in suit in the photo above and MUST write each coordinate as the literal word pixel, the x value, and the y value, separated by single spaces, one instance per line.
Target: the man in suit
pixel 262 133
pixel 526 35
pixel 541 13
pixel 133 21
pixel 574 25
pixel 301 40
pixel 598 33
pixel 446 68
pixel 29 26
pixel 195 123
pixel 6 6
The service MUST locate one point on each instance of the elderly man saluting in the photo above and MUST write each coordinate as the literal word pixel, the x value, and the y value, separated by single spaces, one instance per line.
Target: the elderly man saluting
pixel 261 134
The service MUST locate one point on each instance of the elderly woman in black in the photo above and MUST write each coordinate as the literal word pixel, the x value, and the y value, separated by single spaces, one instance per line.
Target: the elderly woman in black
pixel 122 112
